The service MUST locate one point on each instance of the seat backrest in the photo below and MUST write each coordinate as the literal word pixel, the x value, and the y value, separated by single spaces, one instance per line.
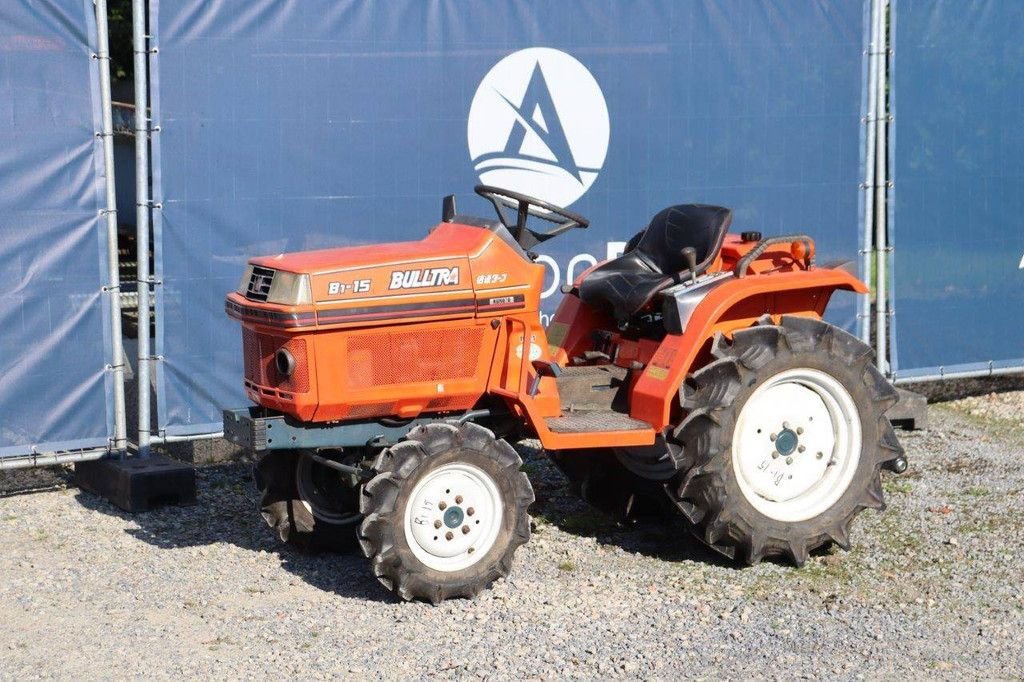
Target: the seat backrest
pixel 677 227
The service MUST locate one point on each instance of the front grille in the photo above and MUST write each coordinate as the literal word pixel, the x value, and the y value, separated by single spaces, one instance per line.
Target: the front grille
pixel 392 358
pixel 259 284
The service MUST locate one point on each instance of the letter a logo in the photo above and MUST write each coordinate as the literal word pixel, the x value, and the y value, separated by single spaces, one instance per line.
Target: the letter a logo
pixel 539 125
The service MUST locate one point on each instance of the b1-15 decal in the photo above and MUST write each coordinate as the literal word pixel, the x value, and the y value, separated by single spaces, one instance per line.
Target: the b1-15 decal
pixel 427 277
pixel 359 286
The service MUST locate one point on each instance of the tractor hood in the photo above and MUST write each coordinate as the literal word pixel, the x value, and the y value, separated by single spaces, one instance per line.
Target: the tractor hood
pixel 445 240
pixel 449 272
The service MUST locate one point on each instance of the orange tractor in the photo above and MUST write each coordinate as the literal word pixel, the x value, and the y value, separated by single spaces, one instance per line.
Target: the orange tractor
pixel 691 375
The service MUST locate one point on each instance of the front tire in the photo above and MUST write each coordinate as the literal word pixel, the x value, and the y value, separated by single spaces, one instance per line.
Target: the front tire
pixel 309 506
pixel 786 435
pixel 446 512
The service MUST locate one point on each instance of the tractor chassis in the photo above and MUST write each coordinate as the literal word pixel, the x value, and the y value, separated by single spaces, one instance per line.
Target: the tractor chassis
pixel 259 429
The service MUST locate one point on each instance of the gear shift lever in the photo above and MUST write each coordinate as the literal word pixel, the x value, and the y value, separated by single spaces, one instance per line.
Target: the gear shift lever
pixel 690 255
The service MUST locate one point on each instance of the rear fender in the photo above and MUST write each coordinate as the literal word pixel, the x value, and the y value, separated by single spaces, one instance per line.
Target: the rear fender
pixel 725 306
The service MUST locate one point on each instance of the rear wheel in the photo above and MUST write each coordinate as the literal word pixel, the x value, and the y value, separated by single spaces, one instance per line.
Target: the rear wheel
pixel 446 512
pixel 310 506
pixel 621 482
pixel 785 437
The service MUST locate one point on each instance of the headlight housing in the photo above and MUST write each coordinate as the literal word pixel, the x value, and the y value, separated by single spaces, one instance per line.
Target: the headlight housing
pixel 286 288
pixel 243 285
pixel 289 288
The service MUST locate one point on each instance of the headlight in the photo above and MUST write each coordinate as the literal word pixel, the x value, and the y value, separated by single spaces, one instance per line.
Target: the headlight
pixel 243 286
pixel 289 288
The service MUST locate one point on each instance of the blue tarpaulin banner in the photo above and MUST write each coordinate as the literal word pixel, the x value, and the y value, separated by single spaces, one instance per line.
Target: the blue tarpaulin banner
pixel 301 125
pixel 957 79
pixel 53 387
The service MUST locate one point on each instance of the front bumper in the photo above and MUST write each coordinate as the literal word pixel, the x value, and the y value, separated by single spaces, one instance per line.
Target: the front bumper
pixel 259 429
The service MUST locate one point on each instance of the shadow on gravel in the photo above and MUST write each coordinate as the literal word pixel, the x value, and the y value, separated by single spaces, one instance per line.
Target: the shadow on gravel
pixel 654 537
pixel 26 481
pixel 226 514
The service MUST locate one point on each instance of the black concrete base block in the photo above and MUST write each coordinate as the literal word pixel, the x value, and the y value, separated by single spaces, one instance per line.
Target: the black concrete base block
pixel 135 484
pixel 910 413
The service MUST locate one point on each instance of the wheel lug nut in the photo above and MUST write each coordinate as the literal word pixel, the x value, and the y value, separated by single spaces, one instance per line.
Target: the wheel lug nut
pixel 470 511
pixel 458 499
pixel 820 455
pixel 785 425
pixel 449 535
pixel 775 455
pixel 799 430
pixel 773 436
pixel 465 529
pixel 437 523
pixel 442 506
pixel 789 460
pixel 800 448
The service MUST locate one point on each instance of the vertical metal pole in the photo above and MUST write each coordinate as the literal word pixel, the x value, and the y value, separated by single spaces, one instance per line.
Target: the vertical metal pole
pixel 869 171
pixel 113 288
pixel 881 180
pixel 142 205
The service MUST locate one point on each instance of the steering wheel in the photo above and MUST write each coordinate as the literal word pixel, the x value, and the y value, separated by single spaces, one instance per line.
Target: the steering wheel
pixel 526 206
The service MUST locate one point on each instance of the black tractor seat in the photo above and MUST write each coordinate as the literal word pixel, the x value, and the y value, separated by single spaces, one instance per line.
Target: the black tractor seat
pixel 654 259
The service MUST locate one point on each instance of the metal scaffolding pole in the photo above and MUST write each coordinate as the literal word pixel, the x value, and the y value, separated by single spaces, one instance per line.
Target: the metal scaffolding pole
pixel 142 206
pixel 113 288
pixel 40 459
pixel 881 181
pixel 869 170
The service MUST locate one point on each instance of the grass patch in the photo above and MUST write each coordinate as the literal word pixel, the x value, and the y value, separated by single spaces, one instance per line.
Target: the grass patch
pixel 567 566
pixel 976 491
pixel 980 526
pixel 892 485
pixel 832 569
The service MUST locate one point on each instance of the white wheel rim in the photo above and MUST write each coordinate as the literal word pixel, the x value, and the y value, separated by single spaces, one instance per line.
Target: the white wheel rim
pixel 453 517
pixel 796 445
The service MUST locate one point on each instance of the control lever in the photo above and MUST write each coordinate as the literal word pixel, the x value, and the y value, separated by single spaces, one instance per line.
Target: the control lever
pixel 690 255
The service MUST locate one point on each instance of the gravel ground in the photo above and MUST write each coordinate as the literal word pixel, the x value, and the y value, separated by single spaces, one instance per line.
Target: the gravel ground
pixel 931 590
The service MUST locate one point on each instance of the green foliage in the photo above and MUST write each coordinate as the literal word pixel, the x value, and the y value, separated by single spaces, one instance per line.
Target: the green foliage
pixel 119 17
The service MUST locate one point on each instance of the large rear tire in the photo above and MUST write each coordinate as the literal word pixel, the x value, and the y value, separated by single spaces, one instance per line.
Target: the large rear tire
pixel 784 440
pixel 309 506
pixel 446 512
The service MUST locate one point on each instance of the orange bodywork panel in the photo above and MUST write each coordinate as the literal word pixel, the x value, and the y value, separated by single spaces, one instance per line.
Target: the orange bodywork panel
pixel 391 330
pixel 735 304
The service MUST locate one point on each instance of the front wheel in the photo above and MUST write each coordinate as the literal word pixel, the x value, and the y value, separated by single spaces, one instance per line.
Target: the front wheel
pixel 785 435
pixel 446 512
pixel 309 506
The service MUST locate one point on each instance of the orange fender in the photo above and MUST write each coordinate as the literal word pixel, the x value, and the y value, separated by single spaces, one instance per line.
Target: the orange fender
pixel 735 304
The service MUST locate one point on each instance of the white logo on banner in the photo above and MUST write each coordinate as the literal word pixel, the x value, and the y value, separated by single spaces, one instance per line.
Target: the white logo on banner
pixel 538 125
